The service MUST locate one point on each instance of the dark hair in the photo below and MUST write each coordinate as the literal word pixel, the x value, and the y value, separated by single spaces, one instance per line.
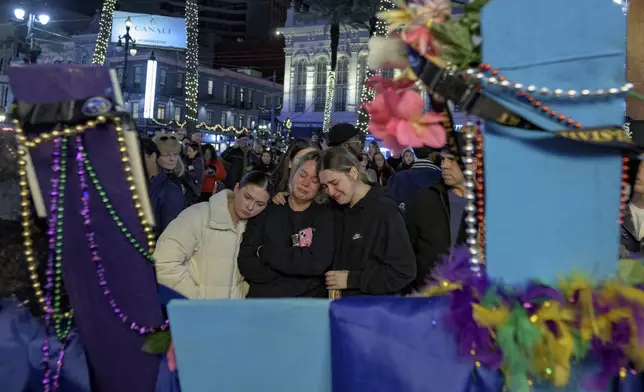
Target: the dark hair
pixel 148 147
pixel 209 147
pixel 281 173
pixel 424 152
pixel 259 178
pixel 633 167
pixel 195 147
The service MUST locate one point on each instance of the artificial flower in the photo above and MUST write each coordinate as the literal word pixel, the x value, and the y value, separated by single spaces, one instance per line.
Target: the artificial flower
pixel 427 12
pixel 422 39
pixel 380 83
pixel 387 53
pixel 397 118
pixel 396 17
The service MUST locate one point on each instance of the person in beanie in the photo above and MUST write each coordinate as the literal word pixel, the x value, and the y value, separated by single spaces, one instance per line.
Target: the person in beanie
pixel 347 136
pixel 435 216
pixel 404 185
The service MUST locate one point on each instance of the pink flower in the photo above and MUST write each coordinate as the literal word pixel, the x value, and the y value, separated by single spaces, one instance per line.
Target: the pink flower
pixel 426 11
pixel 397 119
pixel 423 39
pixel 172 360
pixel 380 83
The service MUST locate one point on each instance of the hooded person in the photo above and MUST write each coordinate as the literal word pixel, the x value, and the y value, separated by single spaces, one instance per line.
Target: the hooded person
pixel 435 216
pixel 404 185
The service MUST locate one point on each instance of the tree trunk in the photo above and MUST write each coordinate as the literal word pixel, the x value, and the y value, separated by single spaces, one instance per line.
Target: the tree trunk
pixel 192 65
pixel 330 80
pixel 104 32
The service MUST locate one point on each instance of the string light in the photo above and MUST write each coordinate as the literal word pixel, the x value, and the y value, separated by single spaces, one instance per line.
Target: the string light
pixel 330 89
pixel 192 60
pixel 204 126
pixel 104 32
pixel 367 94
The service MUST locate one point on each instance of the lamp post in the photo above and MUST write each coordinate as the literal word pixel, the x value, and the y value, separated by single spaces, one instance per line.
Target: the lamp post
pixel 41 18
pixel 128 51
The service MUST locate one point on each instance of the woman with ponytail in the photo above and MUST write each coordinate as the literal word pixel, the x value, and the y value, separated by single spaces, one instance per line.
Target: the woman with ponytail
pixel 374 255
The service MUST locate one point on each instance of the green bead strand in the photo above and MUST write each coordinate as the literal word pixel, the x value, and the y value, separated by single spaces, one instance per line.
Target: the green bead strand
pixel 112 211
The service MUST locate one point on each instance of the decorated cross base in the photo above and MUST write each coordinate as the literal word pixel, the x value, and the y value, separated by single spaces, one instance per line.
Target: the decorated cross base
pixel 535 300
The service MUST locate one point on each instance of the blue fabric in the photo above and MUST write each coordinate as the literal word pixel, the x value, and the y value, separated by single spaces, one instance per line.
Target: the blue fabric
pixel 166 199
pixel 279 345
pixel 563 194
pixel 21 339
pixel 403 185
pixel 384 344
pixel 167 381
pixel 456 210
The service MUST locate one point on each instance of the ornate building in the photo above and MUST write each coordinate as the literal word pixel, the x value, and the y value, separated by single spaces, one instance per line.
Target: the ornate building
pixel 307 62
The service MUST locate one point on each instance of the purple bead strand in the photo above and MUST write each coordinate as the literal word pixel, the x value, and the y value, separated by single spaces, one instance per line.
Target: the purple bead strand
pixel 49 272
pixel 93 247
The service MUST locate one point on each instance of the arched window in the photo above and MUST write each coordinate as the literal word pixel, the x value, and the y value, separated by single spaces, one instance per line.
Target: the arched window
pixel 362 73
pixel 341 85
pixel 299 86
pixel 320 84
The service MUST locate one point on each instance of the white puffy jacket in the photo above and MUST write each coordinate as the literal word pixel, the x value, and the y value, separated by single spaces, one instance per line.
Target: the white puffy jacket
pixel 197 253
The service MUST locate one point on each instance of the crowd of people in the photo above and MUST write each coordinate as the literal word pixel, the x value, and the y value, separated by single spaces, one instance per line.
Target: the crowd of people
pixel 325 217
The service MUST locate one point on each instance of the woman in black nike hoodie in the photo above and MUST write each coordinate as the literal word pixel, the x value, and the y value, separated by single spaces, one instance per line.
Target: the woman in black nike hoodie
pixel 374 255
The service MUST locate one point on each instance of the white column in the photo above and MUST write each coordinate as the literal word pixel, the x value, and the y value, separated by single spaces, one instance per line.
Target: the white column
pixel 286 99
pixel 310 87
pixel 353 84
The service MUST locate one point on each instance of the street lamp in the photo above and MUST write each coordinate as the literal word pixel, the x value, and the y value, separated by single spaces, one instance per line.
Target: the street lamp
pixel 128 50
pixel 41 18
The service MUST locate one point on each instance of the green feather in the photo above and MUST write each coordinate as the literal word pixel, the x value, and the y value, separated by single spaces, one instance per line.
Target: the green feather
pixel 580 346
pixel 491 298
pixel 157 343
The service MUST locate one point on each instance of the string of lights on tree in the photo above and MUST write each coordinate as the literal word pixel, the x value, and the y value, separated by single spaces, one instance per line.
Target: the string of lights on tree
pixel 367 94
pixel 192 60
pixel 104 32
pixel 329 100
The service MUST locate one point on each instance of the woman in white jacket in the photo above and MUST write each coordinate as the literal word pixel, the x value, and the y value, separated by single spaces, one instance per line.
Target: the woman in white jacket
pixel 197 253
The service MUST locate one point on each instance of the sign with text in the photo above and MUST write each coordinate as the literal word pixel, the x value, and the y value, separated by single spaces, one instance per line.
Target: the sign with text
pixel 151 30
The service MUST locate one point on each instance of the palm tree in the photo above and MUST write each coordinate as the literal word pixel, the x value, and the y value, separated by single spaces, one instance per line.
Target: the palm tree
pixel 337 13
pixel 192 63
pixel 104 32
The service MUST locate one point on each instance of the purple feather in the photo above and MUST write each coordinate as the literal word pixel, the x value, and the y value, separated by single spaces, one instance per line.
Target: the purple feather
pixel 537 291
pixel 454 267
pixel 611 358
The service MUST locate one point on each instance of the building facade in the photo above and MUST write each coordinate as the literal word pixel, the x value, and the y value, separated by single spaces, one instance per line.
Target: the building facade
pixel 307 63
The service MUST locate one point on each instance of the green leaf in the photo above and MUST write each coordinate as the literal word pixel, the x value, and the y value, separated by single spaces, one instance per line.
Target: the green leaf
pixel 157 343
pixel 475 6
pixel 631 271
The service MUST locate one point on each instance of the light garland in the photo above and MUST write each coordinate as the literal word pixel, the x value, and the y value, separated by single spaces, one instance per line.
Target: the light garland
pixel 330 90
pixel 367 94
pixel 192 60
pixel 104 32
pixel 204 125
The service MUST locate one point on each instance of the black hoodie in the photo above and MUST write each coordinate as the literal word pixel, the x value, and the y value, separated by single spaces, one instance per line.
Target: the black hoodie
pixel 374 246
pixel 273 267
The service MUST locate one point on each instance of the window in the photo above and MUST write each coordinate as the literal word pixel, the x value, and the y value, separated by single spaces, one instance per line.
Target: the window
pixel 250 98
pixel 119 74
pixel 163 74
pixel 241 96
pixel 225 92
pixel 211 87
pixel 234 95
pixel 300 86
pixel 224 119
pixel 341 85
pixel 135 110
pixel 249 122
pixel 161 112
pixel 177 113
pixel 233 119
pixel 209 117
pixel 362 74
pixel 179 80
pixel 241 120
pixel 137 76
pixel 320 84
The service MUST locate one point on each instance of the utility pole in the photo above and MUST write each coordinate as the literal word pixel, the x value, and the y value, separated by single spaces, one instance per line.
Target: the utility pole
pixel 273 105
pixel 30 37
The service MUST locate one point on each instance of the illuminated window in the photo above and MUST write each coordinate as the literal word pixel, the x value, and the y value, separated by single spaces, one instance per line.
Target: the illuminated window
pixel 300 86
pixel 211 87
pixel 341 84
pixel 177 113
pixel 160 112
pixel 135 109
pixel 163 74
